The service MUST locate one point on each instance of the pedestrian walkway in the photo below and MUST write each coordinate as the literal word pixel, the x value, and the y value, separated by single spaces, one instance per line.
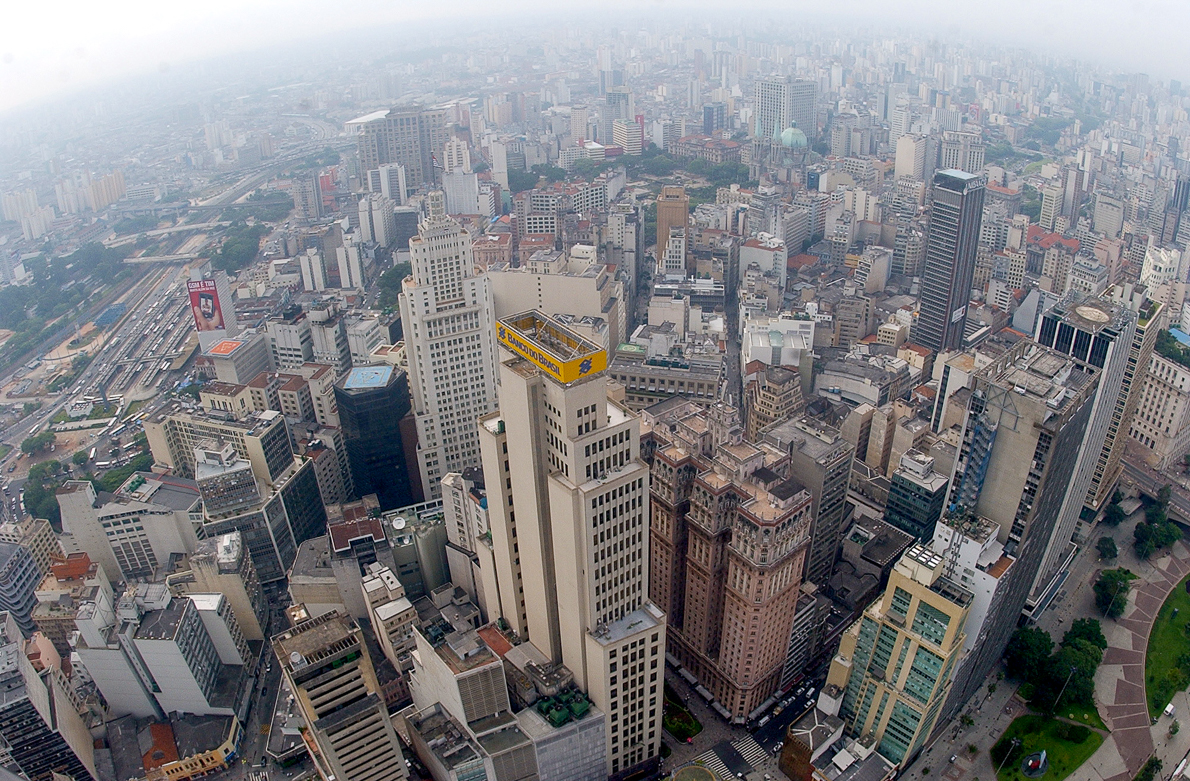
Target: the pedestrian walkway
pixel 1120 680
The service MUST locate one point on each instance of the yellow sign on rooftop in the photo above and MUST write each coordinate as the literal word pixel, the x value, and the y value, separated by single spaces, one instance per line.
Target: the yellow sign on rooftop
pixel 550 346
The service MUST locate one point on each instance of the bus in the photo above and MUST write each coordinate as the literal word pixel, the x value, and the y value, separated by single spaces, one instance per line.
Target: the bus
pixel 92 456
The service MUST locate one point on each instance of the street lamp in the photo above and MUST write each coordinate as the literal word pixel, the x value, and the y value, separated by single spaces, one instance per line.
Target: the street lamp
pixel 1063 691
pixel 1014 743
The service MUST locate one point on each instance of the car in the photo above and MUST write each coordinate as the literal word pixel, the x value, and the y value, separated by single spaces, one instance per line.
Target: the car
pixel 953 758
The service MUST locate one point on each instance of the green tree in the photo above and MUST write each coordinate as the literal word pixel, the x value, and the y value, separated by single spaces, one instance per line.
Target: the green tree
pixel 1113 515
pixel 1107 548
pixel 79 458
pixel 1086 629
pixel 37 443
pixel 390 284
pixel 518 181
pixel 1027 652
pixel 1111 591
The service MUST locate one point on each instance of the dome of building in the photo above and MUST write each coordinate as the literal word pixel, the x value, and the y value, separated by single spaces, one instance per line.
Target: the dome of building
pixel 793 138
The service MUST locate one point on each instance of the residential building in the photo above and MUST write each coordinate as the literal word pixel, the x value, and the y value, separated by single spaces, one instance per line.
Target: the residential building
pixel 223 565
pixel 36 536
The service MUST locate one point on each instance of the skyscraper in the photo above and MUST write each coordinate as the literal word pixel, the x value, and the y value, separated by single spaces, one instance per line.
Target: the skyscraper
pixel 326 664
pixel 567 499
pixel 448 314
pixel 372 400
pixel 1099 333
pixel 782 102
pixel 950 259
pixel 41 731
pixel 1026 416
pixel 409 136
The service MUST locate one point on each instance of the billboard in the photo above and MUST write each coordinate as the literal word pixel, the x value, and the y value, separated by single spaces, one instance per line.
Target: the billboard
pixel 581 358
pixel 204 305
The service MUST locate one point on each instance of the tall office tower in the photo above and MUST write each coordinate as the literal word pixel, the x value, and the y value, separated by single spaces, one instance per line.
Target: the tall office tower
pixel 916 496
pixel 820 459
pixel 567 503
pixel 42 733
pixel 19 579
pixel 372 400
pixel 95 523
pixel 962 151
pixel 1161 424
pixel 410 136
pixel 291 340
pixel 673 260
pixel 1096 333
pixel 784 102
pixel 327 667
pixel 774 395
pixel 950 260
pixel 448 315
pixel 894 664
pixel 911 157
pixel 37 536
pixel 1151 318
pixel 579 117
pixel 1025 420
pixel 617 105
pixel 673 211
pixel 222 565
pixel 1051 207
pixel 626 135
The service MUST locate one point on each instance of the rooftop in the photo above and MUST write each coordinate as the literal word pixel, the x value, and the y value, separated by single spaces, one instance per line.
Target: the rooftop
pixel 367 377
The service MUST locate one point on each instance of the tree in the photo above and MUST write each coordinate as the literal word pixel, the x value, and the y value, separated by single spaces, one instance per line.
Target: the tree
pixel 1114 515
pixel 37 443
pixel 390 284
pixel 1088 630
pixel 1026 654
pixel 1107 548
pixel 1174 728
pixel 1117 496
pixel 79 458
pixel 519 181
pixel 1111 591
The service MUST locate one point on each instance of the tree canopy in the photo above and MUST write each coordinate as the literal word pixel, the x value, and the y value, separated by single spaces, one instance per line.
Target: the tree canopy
pixel 1111 591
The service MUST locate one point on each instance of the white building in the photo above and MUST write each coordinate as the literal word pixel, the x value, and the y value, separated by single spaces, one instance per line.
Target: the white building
pixel 784 340
pixel 448 315
pixel 1162 420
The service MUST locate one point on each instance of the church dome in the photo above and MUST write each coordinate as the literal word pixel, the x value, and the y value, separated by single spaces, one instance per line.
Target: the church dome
pixel 793 138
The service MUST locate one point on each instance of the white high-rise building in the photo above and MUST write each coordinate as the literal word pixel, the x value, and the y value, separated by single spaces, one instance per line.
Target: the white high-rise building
pixel 568 506
pixel 448 316
pixel 782 102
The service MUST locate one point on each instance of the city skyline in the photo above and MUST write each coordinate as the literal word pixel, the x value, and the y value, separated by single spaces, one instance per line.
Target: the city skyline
pixel 34 69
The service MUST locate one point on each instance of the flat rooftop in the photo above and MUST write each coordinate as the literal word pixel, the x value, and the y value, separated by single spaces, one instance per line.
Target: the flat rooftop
pixel 366 377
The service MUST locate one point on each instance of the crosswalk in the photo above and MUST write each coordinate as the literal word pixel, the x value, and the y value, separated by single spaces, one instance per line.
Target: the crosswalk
pixel 712 763
pixel 258 775
pixel 750 750
pixel 747 747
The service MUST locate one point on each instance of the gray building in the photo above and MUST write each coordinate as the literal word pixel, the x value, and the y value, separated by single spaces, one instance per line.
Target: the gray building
pixel 916 496
pixel 1027 415
pixel 949 259
pixel 19 578
pixel 820 459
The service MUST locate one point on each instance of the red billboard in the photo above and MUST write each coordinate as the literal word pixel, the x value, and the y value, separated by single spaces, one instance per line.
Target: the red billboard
pixel 204 304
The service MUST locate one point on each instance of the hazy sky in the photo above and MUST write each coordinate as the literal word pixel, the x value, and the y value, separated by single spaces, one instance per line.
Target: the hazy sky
pixel 49 47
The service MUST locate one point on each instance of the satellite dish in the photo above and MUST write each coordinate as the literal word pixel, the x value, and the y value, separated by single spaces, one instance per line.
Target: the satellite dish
pixel 399 523
pixel 296 659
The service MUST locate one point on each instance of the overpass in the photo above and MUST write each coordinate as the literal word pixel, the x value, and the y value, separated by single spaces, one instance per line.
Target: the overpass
pixel 163 258
pixel 1149 481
